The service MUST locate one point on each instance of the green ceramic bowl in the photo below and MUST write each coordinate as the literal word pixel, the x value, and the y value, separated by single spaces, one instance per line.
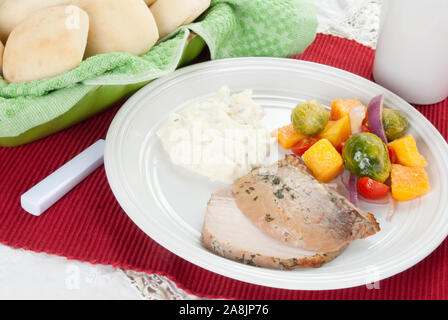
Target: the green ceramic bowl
pixel 95 101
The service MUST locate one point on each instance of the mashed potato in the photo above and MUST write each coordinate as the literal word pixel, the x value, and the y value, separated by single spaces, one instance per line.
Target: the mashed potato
pixel 220 137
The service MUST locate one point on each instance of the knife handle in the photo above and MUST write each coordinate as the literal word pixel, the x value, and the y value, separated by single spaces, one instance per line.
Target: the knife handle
pixel 48 191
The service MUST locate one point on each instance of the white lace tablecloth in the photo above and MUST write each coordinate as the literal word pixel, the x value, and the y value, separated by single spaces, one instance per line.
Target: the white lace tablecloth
pixel 29 275
pixel 353 19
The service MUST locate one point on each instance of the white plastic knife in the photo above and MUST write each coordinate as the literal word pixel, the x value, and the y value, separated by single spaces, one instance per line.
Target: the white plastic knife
pixel 47 192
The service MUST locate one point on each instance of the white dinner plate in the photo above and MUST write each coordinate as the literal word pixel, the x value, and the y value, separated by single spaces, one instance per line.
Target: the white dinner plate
pixel 168 202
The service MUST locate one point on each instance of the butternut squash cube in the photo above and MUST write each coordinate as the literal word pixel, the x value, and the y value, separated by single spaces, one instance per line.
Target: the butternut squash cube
pixel 408 182
pixel 287 136
pixel 340 108
pixel 323 160
pixel 407 152
pixel 337 131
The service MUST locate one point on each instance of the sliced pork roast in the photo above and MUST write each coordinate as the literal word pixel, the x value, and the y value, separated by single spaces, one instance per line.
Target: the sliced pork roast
pixel 228 233
pixel 289 204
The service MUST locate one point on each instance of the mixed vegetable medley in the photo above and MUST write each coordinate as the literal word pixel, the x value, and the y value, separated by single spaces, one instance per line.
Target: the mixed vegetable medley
pixel 367 146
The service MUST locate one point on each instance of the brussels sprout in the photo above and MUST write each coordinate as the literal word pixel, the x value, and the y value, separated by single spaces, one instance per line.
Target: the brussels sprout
pixel 365 155
pixel 395 123
pixel 310 117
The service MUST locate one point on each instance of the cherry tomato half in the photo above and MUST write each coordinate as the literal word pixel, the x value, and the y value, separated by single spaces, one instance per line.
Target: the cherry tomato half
pixel 339 147
pixel 392 155
pixel 372 189
pixel 365 126
pixel 304 144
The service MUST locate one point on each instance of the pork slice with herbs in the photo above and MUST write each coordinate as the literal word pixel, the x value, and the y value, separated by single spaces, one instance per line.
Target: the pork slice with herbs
pixel 288 203
pixel 228 233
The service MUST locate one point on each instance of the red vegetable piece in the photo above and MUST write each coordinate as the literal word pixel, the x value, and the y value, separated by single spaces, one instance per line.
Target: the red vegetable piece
pixel 339 147
pixel 365 126
pixel 304 144
pixel 372 189
pixel 353 194
pixel 392 155
pixel 375 117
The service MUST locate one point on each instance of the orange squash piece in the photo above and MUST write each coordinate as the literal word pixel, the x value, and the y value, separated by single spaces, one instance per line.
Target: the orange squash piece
pixel 407 153
pixel 287 136
pixel 408 182
pixel 337 131
pixel 323 160
pixel 340 108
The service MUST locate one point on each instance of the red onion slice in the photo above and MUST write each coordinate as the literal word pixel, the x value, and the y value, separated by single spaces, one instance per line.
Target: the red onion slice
pixel 333 186
pixel 345 177
pixel 391 208
pixel 375 117
pixel 353 189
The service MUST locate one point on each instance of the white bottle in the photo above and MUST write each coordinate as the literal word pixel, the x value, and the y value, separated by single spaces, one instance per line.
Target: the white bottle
pixel 412 51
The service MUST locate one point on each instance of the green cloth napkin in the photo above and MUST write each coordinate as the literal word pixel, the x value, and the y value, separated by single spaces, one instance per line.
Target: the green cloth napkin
pixel 230 28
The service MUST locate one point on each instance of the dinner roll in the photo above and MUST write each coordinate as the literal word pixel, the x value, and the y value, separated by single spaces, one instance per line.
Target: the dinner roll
pixel 119 26
pixel 148 2
pixel 171 14
pixel 12 12
pixel 1 55
pixel 45 44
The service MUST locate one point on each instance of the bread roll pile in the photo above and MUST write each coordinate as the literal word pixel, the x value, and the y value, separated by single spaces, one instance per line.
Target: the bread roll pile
pixel 13 12
pixel 44 38
pixel 171 14
pixel 42 47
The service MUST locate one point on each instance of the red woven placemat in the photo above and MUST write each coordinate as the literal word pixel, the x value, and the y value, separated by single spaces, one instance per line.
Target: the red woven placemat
pixel 89 225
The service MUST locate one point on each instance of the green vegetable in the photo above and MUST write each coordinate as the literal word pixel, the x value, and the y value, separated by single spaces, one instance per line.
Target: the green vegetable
pixel 365 155
pixel 395 123
pixel 310 117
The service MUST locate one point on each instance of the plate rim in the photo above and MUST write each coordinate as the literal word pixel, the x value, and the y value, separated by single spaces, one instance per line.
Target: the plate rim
pixel 225 62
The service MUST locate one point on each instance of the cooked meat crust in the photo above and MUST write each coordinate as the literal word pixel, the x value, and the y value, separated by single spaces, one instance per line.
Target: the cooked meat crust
pixel 288 203
pixel 228 233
